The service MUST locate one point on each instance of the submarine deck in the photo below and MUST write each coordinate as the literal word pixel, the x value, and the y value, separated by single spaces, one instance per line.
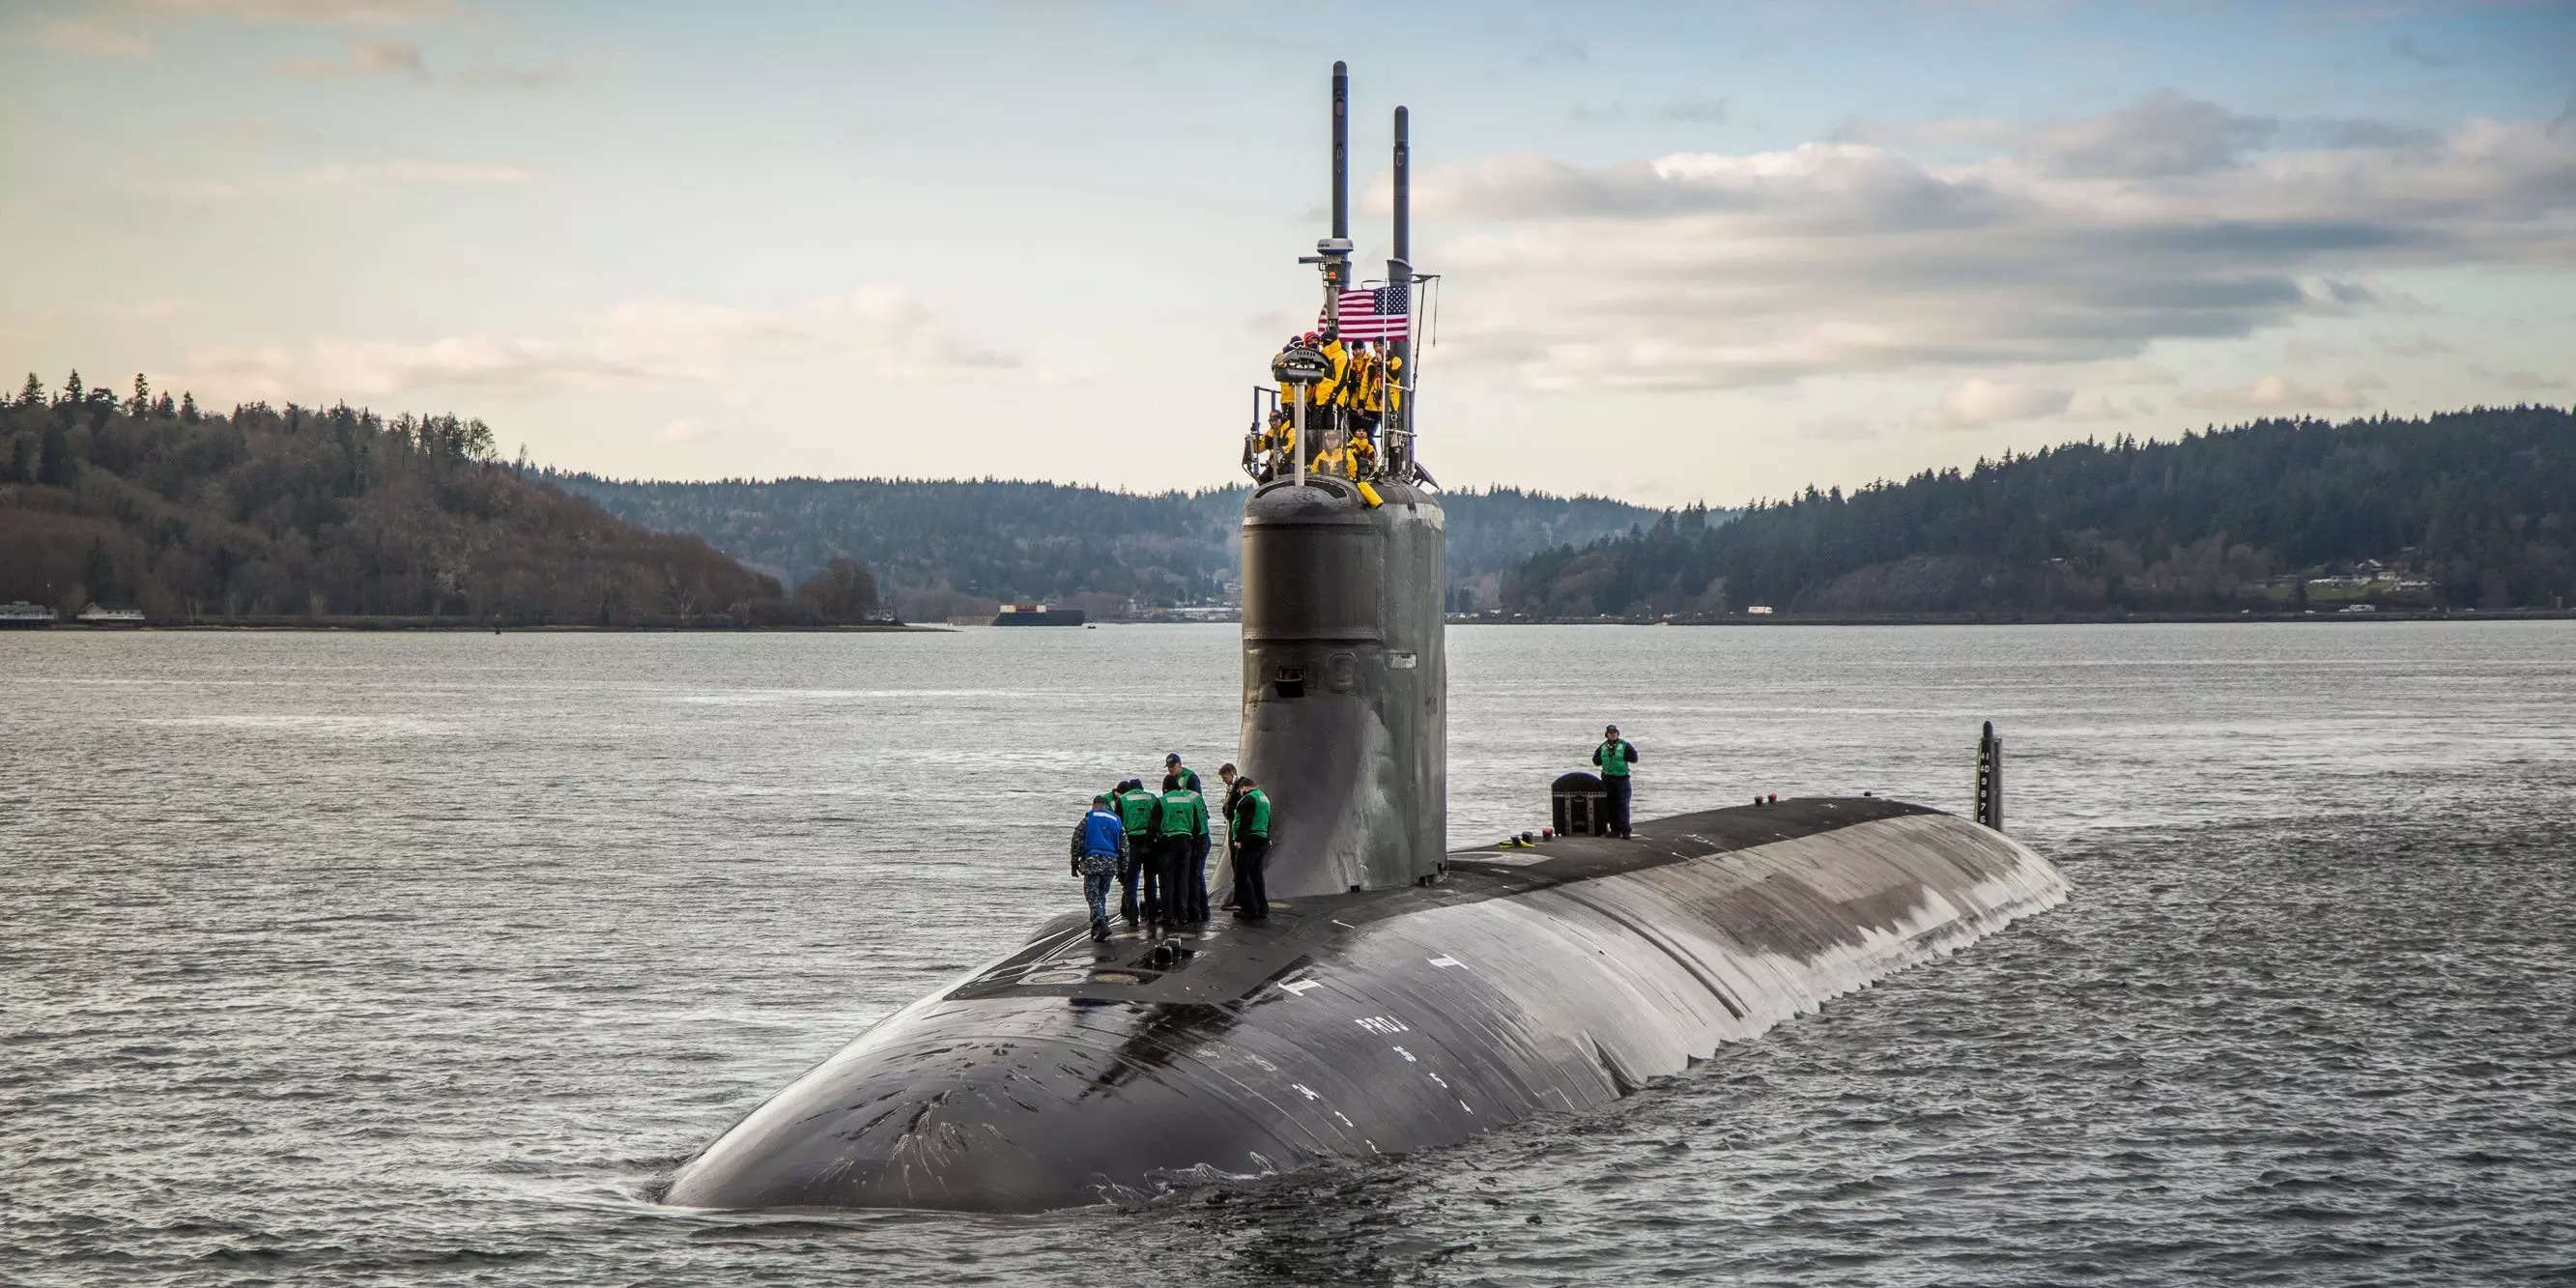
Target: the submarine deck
pixel 1360 1024
pixel 1229 958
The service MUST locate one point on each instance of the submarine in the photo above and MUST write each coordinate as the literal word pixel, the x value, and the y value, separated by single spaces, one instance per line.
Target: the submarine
pixel 1398 997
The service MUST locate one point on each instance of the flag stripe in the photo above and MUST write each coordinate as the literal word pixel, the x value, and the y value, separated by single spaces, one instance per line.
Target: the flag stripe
pixel 1378 313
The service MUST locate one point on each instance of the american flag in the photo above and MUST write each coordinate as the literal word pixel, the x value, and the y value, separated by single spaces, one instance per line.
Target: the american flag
pixel 1374 313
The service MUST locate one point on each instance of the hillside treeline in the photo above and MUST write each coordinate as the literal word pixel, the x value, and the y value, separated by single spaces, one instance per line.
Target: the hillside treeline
pixel 2468 509
pixel 943 546
pixel 139 499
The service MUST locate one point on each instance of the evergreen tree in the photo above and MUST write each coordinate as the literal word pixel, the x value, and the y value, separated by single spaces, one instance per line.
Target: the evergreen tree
pixel 97 574
pixel 32 394
pixel 55 466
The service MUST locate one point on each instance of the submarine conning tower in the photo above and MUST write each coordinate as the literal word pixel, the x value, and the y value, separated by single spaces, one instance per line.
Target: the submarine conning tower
pixel 1345 681
pixel 1345 678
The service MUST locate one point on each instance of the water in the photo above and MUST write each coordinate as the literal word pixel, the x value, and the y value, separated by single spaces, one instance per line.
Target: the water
pixel 421 958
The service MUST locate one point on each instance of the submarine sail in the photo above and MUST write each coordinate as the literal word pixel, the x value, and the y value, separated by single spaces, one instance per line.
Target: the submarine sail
pixel 1397 998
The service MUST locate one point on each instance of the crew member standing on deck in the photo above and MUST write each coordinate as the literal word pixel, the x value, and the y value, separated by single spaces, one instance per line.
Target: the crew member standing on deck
pixel 1234 782
pixel 1183 850
pixel 1194 873
pixel 1136 811
pixel 1099 849
pixel 1247 824
pixel 1614 756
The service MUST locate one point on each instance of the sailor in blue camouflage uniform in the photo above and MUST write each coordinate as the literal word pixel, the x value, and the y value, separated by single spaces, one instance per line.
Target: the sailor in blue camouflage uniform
pixel 1099 849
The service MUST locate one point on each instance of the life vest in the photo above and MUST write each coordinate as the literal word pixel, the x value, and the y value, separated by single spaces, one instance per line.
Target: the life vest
pixel 1251 815
pixel 1184 813
pixel 1136 810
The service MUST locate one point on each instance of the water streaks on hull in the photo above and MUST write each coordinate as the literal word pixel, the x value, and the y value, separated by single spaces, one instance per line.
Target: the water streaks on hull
pixel 1357 1025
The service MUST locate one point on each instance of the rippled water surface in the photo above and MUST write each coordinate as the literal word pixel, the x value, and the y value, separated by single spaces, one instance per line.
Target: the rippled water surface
pixel 422 958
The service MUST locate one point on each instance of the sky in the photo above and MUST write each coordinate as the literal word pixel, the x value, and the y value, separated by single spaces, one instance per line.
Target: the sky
pixel 1687 252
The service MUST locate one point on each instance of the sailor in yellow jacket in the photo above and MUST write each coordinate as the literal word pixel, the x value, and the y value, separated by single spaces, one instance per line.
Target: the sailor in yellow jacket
pixel 1341 458
pixel 1368 398
pixel 1279 442
pixel 1334 390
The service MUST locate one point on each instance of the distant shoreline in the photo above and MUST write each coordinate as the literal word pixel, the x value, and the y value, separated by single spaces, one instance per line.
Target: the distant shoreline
pixel 1778 619
pixel 511 628
pixel 2044 619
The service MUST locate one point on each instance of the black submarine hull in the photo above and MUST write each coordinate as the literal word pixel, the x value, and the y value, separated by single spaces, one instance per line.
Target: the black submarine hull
pixel 1360 1024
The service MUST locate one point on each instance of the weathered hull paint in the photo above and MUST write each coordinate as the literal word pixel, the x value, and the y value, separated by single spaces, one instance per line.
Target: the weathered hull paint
pixel 1351 1025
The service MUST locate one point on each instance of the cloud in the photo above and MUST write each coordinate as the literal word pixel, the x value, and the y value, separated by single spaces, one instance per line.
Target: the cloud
pixel 365 58
pixel 2518 381
pixel 878 332
pixel 1838 429
pixel 1708 270
pixel 502 77
pixel 70 37
pixel 386 173
pixel 2165 133
pixel 351 176
pixel 2414 346
pixel 2093 405
pixel 2162 134
pixel 2350 132
pixel 153 310
pixel 1979 402
pixel 320 13
pixel 345 368
pixel 2406 48
pixel 2278 394
pixel 684 431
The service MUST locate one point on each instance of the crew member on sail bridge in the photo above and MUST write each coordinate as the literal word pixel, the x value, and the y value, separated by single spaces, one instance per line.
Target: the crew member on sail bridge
pixel 1368 403
pixel 1342 458
pixel 1279 444
pixel 1332 394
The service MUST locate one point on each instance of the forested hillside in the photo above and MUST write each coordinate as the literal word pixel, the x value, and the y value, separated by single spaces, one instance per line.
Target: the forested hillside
pixel 949 546
pixel 2466 509
pixel 146 501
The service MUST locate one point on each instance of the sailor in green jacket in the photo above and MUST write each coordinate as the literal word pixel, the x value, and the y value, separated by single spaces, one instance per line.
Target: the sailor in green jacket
pixel 1614 756
pixel 1182 848
pixel 1248 826
pixel 1137 810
